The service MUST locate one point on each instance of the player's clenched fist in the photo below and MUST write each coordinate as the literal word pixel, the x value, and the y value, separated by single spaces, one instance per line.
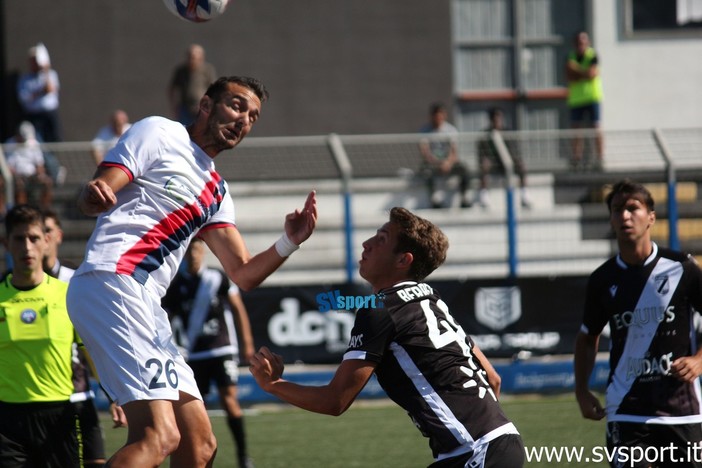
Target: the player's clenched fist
pixel 97 196
pixel 266 367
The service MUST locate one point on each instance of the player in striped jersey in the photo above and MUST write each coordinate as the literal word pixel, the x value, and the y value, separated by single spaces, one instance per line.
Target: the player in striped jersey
pixel 153 192
pixel 648 295
pixel 422 358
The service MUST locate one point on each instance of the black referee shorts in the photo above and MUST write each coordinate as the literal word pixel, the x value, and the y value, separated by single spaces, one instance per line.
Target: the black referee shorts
pixel 91 439
pixel 38 434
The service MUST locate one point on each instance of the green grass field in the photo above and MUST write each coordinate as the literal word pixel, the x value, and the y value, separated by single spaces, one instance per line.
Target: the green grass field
pixel 380 434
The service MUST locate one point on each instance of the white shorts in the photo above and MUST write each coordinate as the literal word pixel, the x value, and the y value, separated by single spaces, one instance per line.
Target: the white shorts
pixel 128 335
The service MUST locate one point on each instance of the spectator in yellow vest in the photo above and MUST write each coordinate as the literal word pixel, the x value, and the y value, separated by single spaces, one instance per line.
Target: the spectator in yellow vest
pixel 584 98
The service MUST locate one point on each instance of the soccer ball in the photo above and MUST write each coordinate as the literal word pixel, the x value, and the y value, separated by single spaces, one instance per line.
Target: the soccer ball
pixel 197 11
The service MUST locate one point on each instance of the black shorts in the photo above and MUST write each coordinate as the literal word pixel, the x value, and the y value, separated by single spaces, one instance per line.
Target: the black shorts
pixel 584 113
pixel 506 451
pixel 91 439
pixel 658 445
pixel 38 434
pixel 222 370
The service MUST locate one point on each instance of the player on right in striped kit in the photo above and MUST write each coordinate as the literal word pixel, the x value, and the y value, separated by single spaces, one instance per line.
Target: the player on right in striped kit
pixel 648 296
pixel 421 356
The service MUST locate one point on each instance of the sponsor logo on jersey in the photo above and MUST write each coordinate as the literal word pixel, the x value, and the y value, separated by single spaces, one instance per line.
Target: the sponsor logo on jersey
pixel 650 366
pixel 613 290
pixel 28 316
pixel 497 308
pixel 643 316
pixel 211 327
pixel 333 300
pixel 662 284
pixel 177 188
pixel 356 341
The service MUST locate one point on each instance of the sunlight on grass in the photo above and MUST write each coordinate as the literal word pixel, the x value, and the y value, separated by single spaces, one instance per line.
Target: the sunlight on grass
pixel 379 434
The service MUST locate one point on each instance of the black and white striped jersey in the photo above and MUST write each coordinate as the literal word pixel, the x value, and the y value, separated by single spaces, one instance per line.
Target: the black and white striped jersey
pixel 426 365
pixel 200 315
pixel 650 311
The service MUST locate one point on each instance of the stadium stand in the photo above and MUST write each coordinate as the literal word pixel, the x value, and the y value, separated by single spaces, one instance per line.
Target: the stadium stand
pixel 565 232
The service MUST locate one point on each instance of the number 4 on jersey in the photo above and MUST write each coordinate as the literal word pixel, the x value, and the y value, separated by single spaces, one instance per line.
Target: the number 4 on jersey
pixel 453 333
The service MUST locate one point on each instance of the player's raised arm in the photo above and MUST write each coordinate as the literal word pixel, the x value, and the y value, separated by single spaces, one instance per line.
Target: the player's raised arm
pixel 300 224
pixel 249 271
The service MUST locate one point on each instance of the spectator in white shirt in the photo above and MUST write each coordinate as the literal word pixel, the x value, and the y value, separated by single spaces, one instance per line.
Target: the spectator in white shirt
pixel 26 162
pixel 38 94
pixel 108 135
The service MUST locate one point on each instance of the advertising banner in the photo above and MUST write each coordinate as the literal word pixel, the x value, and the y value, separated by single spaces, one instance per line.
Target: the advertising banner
pixel 301 323
pixel 529 316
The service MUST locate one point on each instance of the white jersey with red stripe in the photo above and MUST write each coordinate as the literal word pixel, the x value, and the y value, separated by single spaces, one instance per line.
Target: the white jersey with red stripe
pixel 174 192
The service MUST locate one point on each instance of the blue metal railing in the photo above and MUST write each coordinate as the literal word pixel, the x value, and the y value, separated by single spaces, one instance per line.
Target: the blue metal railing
pixel 346 170
pixel 673 237
pixel 511 222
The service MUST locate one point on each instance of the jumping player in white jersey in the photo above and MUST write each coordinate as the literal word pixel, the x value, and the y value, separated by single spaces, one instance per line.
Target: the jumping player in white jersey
pixel 422 358
pixel 154 191
pixel 648 295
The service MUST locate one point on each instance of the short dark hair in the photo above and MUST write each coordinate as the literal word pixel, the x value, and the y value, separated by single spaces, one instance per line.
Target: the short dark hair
pixel 22 214
pixel 576 36
pixel 630 188
pixel 493 111
pixel 51 214
pixel 436 107
pixel 216 89
pixel 421 238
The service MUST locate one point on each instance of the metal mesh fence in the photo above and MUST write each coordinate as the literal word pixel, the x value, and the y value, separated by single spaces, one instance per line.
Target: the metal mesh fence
pixel 564 232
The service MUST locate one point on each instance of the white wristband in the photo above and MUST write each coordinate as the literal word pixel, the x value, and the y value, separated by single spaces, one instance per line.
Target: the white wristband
pixel 284 246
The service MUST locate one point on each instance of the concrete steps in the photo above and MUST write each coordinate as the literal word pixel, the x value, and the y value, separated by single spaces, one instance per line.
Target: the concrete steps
pixel 553 237
pixel 549 238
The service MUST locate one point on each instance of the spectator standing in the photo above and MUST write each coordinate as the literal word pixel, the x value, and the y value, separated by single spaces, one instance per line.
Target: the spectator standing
pixel 489 158
pixel 27 165
pixel 37 421
pixel 584 98
pixel 189 83
pixel 108 135
pixel 83 397
pixel 422 358
pixel 38 94
pixel 648 296
pixel 206 312
pixel 440 156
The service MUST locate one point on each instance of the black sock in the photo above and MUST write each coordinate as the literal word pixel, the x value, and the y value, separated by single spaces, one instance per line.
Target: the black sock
pixel 236 425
